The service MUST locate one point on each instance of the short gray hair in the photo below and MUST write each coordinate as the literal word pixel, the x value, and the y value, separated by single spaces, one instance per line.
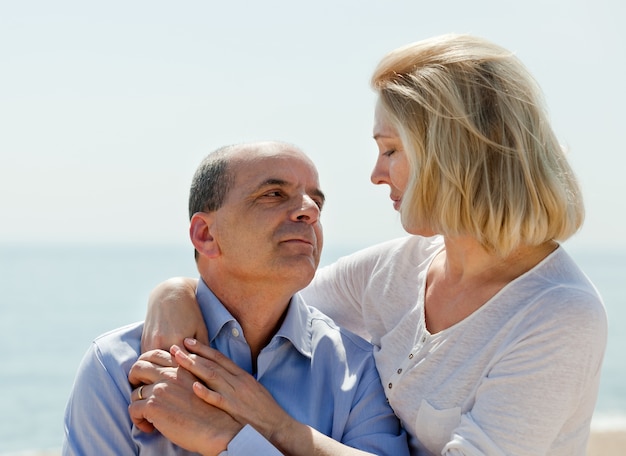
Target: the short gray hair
pixel 211 182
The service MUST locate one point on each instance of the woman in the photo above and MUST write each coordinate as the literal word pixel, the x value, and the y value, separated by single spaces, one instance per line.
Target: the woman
pixel 490 339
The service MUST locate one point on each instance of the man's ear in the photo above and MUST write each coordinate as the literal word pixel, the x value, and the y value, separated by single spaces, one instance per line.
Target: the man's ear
pixel 200 232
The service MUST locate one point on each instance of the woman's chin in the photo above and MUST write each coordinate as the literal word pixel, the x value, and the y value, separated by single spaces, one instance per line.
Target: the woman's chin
pixel 418 230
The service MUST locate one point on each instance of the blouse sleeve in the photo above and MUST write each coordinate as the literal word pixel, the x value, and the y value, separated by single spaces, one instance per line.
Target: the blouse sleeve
pixel 337 290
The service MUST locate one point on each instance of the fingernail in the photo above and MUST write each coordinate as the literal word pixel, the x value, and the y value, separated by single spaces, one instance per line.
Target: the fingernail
pixel 198 387
pixel 190 341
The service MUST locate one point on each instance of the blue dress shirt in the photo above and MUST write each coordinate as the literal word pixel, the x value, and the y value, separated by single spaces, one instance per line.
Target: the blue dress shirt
pixel 320 374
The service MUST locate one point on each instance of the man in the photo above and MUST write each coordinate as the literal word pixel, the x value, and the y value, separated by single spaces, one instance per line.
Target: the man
pixel 255 227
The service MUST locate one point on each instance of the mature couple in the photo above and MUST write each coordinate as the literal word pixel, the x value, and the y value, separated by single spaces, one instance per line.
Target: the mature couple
pixel 488 338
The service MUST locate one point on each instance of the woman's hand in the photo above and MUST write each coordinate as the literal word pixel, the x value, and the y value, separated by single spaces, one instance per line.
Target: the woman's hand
pixel 173 314
pixel 233 390
pixel 228 387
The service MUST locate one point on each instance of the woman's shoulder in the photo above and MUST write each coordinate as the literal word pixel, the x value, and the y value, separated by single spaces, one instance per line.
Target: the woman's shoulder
pixel 561 289
pixel 407 248
pixel 559 273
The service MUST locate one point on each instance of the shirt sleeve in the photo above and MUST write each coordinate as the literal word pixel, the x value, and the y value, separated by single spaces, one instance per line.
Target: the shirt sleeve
pixel 96 416
pixel 372 425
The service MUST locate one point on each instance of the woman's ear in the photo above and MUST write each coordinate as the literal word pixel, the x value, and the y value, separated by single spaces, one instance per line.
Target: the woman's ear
pixel 200 232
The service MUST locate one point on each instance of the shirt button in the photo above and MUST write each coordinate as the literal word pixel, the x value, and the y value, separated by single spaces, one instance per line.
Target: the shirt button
pixel 411 356
pixel 390 385
pixel 235 332
pixel 423 339
pixel 399 371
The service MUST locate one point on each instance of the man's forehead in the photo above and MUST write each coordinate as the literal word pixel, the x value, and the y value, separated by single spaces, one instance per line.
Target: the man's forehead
pixel 259 164
pixel 271 159
pixel 270 172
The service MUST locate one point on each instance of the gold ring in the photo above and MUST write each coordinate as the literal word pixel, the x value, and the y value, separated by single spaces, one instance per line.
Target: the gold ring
pixel 139 392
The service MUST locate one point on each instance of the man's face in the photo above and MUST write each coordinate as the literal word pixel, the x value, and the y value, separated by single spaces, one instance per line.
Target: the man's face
pixel 269 226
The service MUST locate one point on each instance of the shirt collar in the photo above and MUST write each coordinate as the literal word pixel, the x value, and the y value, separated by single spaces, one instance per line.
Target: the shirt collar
pixel 215 314
pixel 295 328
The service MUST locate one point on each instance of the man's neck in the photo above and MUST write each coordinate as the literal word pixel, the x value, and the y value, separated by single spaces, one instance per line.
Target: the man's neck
pixel 260 310
pixel 259 324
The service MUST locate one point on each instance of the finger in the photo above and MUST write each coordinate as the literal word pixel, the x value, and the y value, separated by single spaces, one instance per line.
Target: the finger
pixel 214 355
pixel 175 349
pixel 158 357
pixel 212 374
pixel 136 412
pixel 147 372
pixel 192 363
pixel 142 372
pixel 141 393
pixel 209 396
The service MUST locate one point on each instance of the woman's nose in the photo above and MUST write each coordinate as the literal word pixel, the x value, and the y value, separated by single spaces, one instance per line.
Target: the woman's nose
pixel 380 174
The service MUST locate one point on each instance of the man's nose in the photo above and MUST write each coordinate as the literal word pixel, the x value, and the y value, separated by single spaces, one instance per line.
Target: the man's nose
pixel 308 211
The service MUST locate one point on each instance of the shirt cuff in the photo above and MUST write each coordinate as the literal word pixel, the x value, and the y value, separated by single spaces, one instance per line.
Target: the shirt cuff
pixel 249 441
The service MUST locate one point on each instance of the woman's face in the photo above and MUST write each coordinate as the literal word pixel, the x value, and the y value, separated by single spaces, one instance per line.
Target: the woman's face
pixel 392 166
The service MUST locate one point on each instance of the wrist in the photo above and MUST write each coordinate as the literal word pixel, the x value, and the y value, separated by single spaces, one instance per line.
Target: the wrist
pixel 216 443
pixel 288 435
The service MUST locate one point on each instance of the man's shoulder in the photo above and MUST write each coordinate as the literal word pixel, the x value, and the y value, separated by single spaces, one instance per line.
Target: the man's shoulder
pixel 119 345
pixel 324 327
pixel 122 334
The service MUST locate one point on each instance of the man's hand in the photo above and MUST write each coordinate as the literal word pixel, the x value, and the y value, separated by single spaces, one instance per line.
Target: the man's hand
pixel 169 404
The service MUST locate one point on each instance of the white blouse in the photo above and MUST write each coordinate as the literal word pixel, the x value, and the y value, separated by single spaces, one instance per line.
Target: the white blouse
pixel 518 376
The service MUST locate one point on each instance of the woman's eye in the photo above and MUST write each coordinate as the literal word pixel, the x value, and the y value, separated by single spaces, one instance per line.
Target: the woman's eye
pixel 389 153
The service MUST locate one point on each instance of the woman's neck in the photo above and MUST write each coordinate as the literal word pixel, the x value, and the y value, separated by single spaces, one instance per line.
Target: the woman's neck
pixel 464 276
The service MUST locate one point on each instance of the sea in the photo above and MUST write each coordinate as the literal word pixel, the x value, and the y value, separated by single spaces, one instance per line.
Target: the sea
pixel 55 298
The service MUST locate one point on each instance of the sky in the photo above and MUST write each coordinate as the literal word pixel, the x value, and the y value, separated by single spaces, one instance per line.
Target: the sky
pixel 106 108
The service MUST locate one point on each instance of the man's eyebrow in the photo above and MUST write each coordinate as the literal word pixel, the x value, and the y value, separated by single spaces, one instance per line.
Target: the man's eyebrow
pixel 283 183
pixel 320 194
pixel 272 181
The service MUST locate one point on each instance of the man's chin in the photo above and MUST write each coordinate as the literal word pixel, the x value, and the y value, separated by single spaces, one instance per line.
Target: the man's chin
pixel 301 267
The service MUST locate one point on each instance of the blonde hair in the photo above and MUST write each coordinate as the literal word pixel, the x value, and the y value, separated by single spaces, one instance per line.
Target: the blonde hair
pixel 484 160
